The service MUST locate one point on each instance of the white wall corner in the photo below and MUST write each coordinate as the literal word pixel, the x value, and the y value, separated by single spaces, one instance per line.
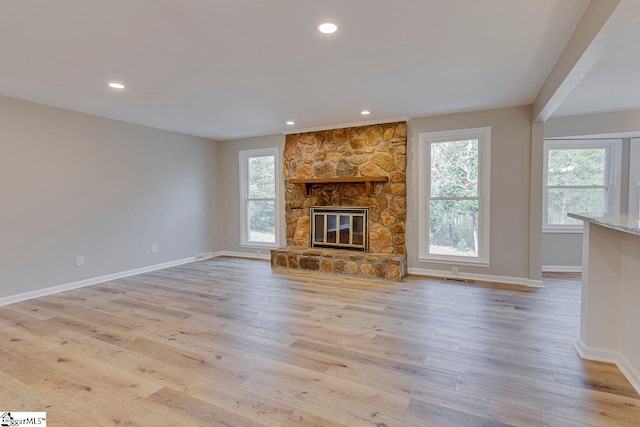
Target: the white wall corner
pixel 535 201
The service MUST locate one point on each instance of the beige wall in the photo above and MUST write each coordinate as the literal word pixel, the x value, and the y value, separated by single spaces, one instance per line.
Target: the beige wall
pixel 593 124
pixel 562 250
pixel 76 184
pixel 230 212
pixel 510 187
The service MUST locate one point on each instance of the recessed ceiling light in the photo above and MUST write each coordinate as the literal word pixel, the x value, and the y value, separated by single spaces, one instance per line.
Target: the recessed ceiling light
pixel 365 112
pixel 116 85
pixel 328 28
pixel 291 123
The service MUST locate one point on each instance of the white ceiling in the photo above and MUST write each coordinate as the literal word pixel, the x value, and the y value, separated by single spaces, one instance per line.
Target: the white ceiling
pixel 612 83
pixel 227 69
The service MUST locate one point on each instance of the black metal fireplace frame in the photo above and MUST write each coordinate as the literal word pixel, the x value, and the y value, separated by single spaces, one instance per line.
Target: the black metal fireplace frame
pixel 340 210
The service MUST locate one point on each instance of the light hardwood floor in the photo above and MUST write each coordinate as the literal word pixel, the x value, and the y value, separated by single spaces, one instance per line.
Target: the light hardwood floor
pixel 229 342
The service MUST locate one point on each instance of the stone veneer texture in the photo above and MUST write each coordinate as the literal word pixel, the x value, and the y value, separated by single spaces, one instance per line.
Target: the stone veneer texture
pixel 343 262
pixel 375 150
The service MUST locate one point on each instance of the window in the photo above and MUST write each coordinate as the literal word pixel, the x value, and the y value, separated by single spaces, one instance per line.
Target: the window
pixel 580 177
pixel 259 195
pixel 454 196
pixel 634 178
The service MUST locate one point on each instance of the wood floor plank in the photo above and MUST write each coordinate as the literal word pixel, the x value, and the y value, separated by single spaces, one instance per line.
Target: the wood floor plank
pixel 28 323
pixel 19 396
pixel 116 411
pixel 592 376
pixel 304 419
pixel 550 420
pixel 407 377
pixel 217 389
pixel 83 368
pixel 328 400
pixel 131 361
pixel 412 385
pixel 231 342
pixel 430 414
pixel 182 405
pixel 574 403
pixel 328 390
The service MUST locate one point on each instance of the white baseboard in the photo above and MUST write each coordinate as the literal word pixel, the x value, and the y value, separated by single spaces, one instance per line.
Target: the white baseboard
pixel 248 255
pixel 595 353
pixel 474 276
pixel 92 281
pixel 205 255
pixel 630 372
pixel 580 348
pixel 609 356
pixel 562 269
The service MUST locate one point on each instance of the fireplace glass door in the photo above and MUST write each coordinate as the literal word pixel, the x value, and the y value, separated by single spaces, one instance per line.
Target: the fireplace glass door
pixel 337 227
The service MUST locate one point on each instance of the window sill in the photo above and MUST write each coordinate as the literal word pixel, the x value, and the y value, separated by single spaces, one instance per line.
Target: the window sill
pixel 455 261
pixel 562 230
pixel 258 245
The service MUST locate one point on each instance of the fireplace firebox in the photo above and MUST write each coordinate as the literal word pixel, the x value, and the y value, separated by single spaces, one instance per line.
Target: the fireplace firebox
pixel 340 227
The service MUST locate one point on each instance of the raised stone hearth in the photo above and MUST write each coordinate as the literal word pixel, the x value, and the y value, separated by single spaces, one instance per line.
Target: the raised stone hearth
pixel 363 166
pixel 339 261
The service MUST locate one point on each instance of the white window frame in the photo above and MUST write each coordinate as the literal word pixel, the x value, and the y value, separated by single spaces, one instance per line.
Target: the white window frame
pixel 613 165
pixel 244 156
pixel 483 135
pixel 634 177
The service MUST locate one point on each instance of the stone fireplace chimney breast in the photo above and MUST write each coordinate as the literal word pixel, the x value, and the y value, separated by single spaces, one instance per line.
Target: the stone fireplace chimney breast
pixel 337 168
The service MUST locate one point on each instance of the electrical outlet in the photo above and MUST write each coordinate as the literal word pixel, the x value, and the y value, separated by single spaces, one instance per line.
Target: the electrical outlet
pixel 154 248
pixel 79 261
pixel 455 270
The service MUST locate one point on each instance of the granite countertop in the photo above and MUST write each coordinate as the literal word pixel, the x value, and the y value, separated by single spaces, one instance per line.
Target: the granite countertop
pixel 623 222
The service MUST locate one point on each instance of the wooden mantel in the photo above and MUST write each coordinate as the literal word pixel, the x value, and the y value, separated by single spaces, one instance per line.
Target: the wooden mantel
pixel 367 180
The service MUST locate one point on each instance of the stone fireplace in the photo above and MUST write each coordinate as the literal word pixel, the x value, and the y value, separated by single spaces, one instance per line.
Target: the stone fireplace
pixel 359 169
